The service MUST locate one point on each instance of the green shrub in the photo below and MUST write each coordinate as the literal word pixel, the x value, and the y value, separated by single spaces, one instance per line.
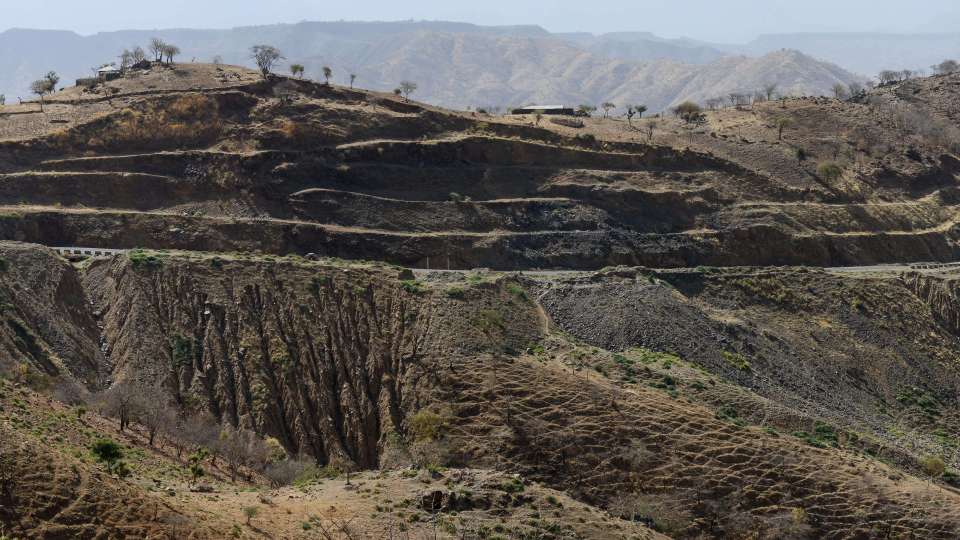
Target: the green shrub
pixel 426 425
pixel 457 293
pixel 736 360
pixel 517 291
pixel 412 286
pixel 106 451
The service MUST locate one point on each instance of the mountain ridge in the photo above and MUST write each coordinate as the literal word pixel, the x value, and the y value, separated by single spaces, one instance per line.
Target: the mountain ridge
pixel 483 66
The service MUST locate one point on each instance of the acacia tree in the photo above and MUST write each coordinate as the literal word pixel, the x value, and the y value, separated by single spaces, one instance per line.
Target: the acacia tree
pixel 170 52
pixel 327 73
pixel 607 107
pixel 157 47
pixel 407 88
pixel 265 56
pixel 297 70
pixel 44 86
pixel 689 112
pixel 353 79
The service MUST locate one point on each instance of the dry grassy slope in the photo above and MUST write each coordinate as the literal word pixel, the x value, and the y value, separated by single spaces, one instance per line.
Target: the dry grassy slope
pixel 333 358
pixel 51 487
pixel 292 166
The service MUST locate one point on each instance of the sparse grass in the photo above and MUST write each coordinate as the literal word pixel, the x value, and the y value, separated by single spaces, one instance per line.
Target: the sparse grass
pixel 736 360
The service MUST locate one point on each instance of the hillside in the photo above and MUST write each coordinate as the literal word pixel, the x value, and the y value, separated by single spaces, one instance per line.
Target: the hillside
pixel 458 325
pixel 456 65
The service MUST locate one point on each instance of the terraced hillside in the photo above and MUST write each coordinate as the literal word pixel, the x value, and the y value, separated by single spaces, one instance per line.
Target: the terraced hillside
pixel 286 166
pixel 309 280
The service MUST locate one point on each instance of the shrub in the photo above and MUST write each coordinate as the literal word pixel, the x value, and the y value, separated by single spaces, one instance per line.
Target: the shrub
pixel 829 171
pixel 457 293
pixel 412 286
pixel 736 360
pixel 106 451
pixel 426 425
pixel 517 291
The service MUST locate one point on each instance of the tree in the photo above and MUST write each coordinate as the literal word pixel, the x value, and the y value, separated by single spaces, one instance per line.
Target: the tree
pixel 121 401
pixel 770 90
pixel 634 110
pixel 44 86
pixel 855 89
pixel 840 91
pixel 126 60
pixel 689 112
pixel 353 79
pixel 887 76
pixel 327 73
pixel 157 47
pixel 649 127
pixel 782 123
pixel 946 67
pixel 171 52
pixel 106 451
pixel 155 412
pixel 801 155
pixel 265 56
pixel 408 88
pixel 137 55
pixel 586 110
pixel 933 467
pixel 297 70
pixel 607 107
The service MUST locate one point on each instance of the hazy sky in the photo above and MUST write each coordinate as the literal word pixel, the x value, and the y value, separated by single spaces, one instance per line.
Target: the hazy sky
pixel 718 20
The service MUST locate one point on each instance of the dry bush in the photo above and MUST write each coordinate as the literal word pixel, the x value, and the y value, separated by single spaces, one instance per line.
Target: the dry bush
pixel 188 120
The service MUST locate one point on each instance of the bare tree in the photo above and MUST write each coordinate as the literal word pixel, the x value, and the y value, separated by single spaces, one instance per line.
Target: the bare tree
pixel 840 91
pixel 137 55
pixel 157 47
pixel 855 89
pixel 126 60
pixel 154 412
pixel 265 56
pixel 120 401
pixel 889 76
pixel 408 88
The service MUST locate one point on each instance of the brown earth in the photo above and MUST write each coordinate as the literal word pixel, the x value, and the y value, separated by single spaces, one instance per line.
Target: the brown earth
pixel 739 399
pixel 198 157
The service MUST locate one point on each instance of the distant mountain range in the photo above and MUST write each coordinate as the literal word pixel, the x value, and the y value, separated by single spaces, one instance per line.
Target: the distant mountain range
pixel 462 65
